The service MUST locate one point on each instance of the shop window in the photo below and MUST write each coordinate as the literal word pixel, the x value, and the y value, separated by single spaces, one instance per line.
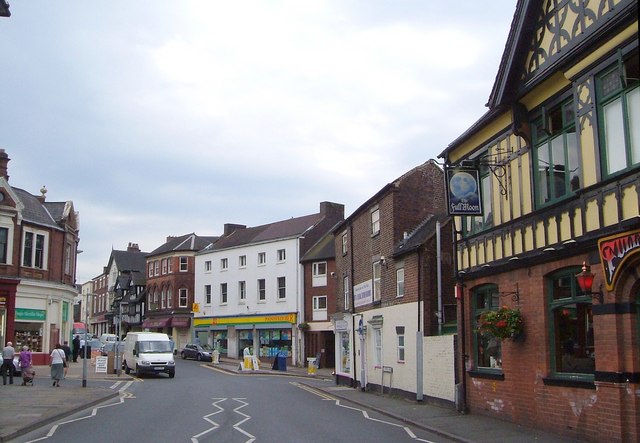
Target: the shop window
pixel 571 327
pixel 556 162
pixel 487 348
pixel 274 341
pixel 28 334
pixel 618 95
pixel 345 352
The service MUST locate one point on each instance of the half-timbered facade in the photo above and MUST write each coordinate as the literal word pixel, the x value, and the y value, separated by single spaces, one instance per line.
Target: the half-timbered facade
pixel 558 155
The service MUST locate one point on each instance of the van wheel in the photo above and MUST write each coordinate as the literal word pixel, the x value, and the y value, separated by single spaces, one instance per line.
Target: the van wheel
pixel 138 371
pixel 199 357
pixel 127 370
pixel 182 355
pixel 172 373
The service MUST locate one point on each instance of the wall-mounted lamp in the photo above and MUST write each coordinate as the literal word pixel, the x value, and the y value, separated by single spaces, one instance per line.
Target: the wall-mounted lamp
pixel 383 261
pixel 333 275
pixel 585 282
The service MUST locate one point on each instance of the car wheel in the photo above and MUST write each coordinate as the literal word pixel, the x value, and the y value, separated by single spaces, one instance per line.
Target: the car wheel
pixel 199 357
pixel 172 373
pixel 182 355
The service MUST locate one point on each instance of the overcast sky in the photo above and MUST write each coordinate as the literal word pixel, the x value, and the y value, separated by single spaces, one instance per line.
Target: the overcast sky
pixel 162 118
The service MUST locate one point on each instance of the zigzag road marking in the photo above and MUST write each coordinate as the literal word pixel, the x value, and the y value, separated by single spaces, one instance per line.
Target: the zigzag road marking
pixel 215 426
pixel 325 396
pixel 246 417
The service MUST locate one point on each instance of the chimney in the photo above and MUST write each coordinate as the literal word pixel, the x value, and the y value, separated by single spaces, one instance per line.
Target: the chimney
pixel 4 161
pixel 169 238
pixel 133 247
pixel 328 208
pixel 230 227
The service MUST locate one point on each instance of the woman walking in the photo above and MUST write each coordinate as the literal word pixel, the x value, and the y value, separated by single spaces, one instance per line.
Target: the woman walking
pixel 26 366
pixel 57 365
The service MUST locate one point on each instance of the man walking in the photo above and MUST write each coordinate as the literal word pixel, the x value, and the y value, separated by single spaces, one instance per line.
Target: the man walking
pixel 76 347
pixel 7 362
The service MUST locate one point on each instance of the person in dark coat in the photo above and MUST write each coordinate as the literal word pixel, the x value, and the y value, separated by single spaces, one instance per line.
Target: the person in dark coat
pixel 67 351
pixel 76 347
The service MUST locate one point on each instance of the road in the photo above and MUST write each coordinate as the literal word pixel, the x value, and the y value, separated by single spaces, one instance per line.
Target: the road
pixel 202 404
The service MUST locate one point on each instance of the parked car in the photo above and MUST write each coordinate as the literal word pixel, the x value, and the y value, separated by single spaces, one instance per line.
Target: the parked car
pixel 94 344
pixel 199 352
pixel 109 346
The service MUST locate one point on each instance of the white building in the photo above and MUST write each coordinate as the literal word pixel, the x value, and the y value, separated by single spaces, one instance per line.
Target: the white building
pixel 249 285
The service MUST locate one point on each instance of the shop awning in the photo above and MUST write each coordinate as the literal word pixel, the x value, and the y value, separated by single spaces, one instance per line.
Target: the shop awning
pixel 180 322
pixel 156 322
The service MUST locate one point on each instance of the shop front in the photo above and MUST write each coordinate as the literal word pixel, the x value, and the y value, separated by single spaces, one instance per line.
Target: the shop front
pixel 265 336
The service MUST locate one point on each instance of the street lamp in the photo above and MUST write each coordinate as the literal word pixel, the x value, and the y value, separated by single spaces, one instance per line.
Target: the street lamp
pixel 84 348
pixel 585 281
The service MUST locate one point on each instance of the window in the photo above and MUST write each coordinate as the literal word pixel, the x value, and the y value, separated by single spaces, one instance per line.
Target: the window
pixel 282 288
pixel 242 291
pixel 183 297
pixel 156 266
pixel 223 293
pixel 319 274
pixel 345 291
pixel 33 250
pixel 163 299
pixel 377 344
pixel 400 282
pixel 262 258
pixel 557 170
pixel 319 308
pixel 207 266
pixel 224 263
pixel 150 269
pixel 207 294
pixel 68 256
pixel 184 264
pixel 344 244
pixel 164 265
pixel 169 265
pixel 618 106
pixel 571 323
pixel 375 221
pixel 282 255
pixel 242 261
pixel 169 297
pixel 400 337
pixel 487 349
pixel 262 291
pixel 376 281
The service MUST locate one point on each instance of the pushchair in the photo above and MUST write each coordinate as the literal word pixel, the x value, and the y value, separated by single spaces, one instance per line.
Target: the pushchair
pixel 28 374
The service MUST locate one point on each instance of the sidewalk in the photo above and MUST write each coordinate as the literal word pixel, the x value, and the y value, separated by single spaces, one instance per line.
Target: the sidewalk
pixel 23 409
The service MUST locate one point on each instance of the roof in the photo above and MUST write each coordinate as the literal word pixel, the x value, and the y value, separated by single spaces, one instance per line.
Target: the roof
pixel 129 261
pixel 419 236
pixel 38 213
pixel 187 242
pixel 323 249
pixel 293 227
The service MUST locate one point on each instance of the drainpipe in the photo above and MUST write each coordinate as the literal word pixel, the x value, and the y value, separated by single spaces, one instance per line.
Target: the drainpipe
pixel 419 336
pixel 353 308
pixel 439 278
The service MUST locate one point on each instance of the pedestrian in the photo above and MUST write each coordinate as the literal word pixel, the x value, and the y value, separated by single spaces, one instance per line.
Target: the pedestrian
pixel 7 363
pixel 57 365
pixel 67 351
pixel 76 348
pixel 26 365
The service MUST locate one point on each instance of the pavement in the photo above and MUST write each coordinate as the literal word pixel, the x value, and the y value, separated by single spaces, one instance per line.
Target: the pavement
pixel 26 408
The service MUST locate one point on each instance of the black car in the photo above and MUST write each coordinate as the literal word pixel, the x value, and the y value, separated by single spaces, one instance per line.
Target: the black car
pixel 199 352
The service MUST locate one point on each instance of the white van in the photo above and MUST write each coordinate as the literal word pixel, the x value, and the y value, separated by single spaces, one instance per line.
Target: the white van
pixel 148 352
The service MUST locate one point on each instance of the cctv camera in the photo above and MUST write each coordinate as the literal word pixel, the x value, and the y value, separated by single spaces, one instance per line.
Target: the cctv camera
pixel 333 274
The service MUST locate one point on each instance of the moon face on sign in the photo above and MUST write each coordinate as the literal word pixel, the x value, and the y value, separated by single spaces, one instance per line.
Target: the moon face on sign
pixel 463 185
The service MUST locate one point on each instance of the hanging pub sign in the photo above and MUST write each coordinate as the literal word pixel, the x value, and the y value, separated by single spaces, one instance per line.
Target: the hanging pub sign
pixel 463 191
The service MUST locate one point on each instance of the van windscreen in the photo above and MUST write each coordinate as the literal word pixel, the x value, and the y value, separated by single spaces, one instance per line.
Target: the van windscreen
pixel 154 346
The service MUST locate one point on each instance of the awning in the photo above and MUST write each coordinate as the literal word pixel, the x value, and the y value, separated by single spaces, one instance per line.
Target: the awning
pixel 180 322
pixel 156 322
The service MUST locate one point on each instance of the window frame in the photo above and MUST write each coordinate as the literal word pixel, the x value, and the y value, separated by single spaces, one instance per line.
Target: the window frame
pixel 375 222
pixel 184 263
pixel 282 255
pixel 399 283
pixel 242 292
pixel 38 250
pixel 224 264
pixel 376 277
pixel 183 298
pixel 262 258
pixel 282 288
pixel 401 347
pixel 262 290
pixel 224 293
pixel 242 261
pixel 207 294
pixel 490 292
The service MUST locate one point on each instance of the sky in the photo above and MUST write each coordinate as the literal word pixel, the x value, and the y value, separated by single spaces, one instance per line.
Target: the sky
pixel 159 118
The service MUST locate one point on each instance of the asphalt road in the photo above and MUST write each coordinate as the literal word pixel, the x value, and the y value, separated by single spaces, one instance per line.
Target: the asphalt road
pixel 202 404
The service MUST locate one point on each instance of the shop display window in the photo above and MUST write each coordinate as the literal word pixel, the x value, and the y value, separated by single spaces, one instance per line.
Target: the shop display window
pixel 29 334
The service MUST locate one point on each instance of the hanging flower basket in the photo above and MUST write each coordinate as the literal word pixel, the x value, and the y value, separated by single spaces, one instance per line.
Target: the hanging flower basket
pixel 303 326
pixel 502 323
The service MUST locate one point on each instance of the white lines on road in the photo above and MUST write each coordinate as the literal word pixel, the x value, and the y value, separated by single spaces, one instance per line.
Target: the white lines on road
pixel 326 396
pixel 123 395
pixel 216 425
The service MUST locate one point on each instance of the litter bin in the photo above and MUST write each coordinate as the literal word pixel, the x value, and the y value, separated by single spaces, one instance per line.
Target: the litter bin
pixel 280 362
pixel 311 366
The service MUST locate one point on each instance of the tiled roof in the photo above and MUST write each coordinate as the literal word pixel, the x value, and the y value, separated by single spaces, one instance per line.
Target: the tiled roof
pixel 187 242
pixel 323 249
pixel 129 261
pixel 292 227
pixel 34 211
pixel 420 234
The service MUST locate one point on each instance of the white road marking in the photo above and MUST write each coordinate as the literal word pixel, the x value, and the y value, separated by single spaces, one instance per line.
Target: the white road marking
pixel 246 417
pixel 325 396
pixel 215 426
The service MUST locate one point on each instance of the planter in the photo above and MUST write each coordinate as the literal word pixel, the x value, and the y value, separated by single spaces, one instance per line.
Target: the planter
pixel 503 323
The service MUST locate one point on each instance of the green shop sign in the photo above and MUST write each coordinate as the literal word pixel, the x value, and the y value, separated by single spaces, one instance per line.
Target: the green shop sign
pixel 31 314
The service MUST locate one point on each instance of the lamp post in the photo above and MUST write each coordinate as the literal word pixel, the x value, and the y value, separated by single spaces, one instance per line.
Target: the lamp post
pixel 84 348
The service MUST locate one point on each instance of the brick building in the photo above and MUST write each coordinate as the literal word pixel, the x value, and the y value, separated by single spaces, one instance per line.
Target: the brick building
pixel 557 159
pixel 387 285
